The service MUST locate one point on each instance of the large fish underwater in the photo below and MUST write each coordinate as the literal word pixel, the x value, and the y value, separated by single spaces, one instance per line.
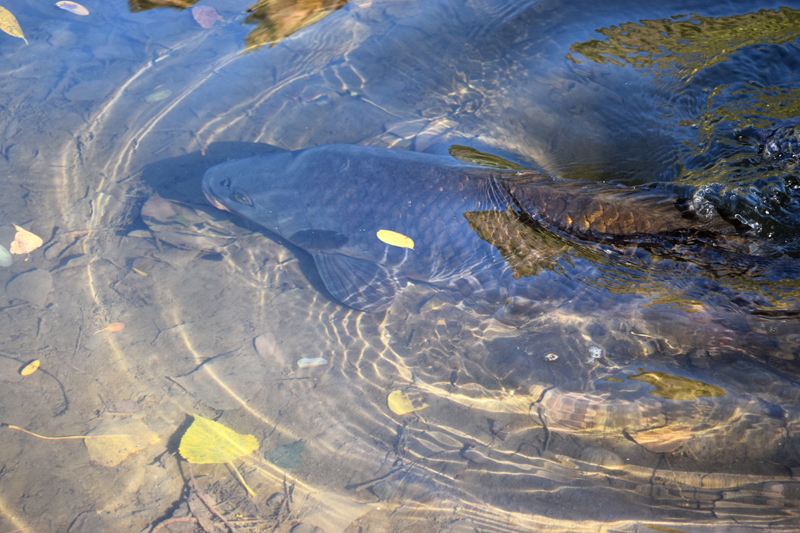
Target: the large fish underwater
pixel 506 240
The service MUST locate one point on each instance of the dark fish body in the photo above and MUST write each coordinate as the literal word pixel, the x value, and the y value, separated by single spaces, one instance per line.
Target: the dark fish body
pixel 469 225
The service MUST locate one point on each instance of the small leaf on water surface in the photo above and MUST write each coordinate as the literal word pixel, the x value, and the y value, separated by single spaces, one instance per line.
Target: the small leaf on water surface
pixel 9 24
pixel 72 7
pixel 206 16
pixel 30 368
pixel 402 404
pixel 111 328
pixel 209 442
pixel 393 238
pixel 25 242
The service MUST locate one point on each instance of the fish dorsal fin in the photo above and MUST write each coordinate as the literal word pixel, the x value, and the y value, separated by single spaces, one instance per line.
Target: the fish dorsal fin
pixel 360 284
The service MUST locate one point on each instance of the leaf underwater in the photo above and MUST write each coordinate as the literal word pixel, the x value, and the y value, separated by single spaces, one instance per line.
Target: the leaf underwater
pixel 206 16
pixel 74 8
pixel 401 404
pixel 392 238
pixel 30 368
pixel 9 24
pixel 25 242
pixel 111 328
pixel 120 440
pixel 209 442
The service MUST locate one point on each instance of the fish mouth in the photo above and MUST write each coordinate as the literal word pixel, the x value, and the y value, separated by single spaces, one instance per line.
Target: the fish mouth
pixel 213 201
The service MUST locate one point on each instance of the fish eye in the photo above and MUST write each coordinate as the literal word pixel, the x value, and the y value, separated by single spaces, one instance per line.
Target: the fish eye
pixel 225 183
pixel 241 197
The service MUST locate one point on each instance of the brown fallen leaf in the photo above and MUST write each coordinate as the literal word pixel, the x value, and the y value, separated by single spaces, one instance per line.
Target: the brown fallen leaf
pixel 112 328
pixel 25 242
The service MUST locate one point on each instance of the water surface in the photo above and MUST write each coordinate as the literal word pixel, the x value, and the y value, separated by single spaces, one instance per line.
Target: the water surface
pixel 680 416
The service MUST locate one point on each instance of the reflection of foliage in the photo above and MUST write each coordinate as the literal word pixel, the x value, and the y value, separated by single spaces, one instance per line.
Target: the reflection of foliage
pixel 689 44
pixel 759 193
pixel 137 6
pixel 278 19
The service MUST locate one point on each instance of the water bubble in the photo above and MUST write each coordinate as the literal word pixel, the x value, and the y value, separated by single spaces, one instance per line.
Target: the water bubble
pixel 702 203
pixel 595 352
pixel 551 356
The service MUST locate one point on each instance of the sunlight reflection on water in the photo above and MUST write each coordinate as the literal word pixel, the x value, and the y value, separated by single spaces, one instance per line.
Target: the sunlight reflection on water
pixel 106 110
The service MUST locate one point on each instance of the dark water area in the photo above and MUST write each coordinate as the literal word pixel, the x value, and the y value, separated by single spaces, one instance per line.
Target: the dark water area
pixel 603 380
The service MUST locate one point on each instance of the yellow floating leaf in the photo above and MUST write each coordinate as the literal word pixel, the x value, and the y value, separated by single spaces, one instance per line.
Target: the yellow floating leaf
pixel 72 7
pixel 393 238
pixel 24 241
pixel 9 24
pixel 121 439
pixel 209 442
pixel 402 404
pixel 112 328
pixel 30 368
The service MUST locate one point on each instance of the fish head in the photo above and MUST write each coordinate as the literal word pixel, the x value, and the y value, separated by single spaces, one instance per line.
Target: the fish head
pixel 258 188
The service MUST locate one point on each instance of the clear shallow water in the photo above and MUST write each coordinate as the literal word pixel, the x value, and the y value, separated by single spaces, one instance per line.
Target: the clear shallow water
pixel 511 438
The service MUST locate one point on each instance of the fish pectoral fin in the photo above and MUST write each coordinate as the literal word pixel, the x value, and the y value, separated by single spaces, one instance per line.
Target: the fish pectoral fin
pixel 358 283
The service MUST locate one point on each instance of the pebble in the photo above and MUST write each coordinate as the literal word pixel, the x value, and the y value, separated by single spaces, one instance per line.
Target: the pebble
pixel 265 344
pixel 306 362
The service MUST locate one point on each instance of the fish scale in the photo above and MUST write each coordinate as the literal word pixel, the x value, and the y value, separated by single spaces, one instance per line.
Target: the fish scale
pixel 488 234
